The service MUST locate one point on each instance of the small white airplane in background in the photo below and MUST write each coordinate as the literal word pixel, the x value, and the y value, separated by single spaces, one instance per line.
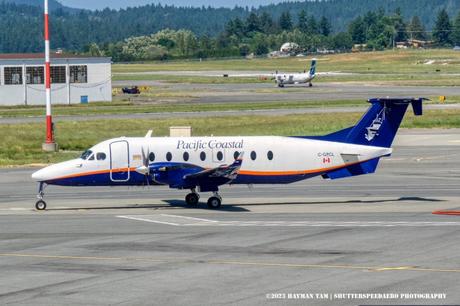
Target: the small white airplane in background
pixel 296 78
pixel 206 163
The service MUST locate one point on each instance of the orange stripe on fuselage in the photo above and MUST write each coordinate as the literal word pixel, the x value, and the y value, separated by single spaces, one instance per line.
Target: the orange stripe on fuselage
pixel 300 172
pixel 243 172
pixel 95 172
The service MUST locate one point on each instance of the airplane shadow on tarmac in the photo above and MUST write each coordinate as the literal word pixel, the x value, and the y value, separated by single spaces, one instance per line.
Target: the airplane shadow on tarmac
pixel 240 207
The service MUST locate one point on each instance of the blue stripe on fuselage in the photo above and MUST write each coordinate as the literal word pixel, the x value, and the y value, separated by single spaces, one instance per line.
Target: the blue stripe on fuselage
pixel 136 179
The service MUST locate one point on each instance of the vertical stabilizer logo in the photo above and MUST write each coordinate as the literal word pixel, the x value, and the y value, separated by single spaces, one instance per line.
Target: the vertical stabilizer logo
pixel 373 129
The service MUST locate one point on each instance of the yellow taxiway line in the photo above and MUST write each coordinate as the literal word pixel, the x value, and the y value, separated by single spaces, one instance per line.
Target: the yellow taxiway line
pixel 236 263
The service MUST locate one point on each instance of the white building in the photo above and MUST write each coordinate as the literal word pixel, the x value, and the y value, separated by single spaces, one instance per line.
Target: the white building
pixel 73 79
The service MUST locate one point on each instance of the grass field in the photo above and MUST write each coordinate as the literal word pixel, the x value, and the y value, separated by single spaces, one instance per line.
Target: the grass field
pixel 21 143
pixel 389 62
pixel 130 107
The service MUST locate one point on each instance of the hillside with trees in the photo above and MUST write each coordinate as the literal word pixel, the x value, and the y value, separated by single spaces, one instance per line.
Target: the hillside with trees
pixel 159 32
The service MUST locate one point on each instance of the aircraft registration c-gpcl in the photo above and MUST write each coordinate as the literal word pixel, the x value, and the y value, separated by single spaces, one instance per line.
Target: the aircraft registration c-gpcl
pixel 203 164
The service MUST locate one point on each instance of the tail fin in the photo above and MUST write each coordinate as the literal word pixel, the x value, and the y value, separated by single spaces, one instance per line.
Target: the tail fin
pixel 313 67
pixel 379 124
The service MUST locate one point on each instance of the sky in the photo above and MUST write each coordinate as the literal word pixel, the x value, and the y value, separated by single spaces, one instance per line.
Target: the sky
pixel 116 4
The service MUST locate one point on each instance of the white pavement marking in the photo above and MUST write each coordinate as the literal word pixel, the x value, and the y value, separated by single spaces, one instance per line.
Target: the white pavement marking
pixel 189 218
pixel 191 221
pixel 147 220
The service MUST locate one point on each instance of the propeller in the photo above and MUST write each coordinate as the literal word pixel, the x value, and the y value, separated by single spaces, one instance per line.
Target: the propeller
pixel 144 169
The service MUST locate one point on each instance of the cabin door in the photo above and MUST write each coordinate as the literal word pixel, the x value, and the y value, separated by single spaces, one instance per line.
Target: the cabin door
pixel 119 161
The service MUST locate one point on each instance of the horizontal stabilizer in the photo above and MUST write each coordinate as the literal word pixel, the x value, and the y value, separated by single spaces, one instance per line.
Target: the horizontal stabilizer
pixel 353 170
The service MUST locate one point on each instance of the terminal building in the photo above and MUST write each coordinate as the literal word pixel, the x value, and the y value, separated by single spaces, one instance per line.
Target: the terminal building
pixel 73 79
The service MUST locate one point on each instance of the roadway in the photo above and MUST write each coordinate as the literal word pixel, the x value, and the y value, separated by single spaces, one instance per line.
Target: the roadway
pixel 369 234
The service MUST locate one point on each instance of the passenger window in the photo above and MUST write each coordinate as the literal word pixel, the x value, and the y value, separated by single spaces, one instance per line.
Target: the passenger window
pixel 152 156
pixel 186 156
pixel 235 155
pixel 202 156
pixel 168 156
pixel 253 155
pixel 100 156
pixel 220 156
pixel 270 155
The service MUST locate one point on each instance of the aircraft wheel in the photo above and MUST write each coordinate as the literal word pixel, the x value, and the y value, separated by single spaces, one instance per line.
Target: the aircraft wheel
pixel 214 202
pixel 40 205
pixel 310 85
pixel 192 199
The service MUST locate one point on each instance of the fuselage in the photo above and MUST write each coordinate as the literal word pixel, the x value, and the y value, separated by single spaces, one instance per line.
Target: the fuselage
pixel 293 78
pixel 267 159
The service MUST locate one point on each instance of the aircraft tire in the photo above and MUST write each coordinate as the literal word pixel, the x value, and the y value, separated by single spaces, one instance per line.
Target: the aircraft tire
pixel 40 205
pixel 214 202
pixel 192 199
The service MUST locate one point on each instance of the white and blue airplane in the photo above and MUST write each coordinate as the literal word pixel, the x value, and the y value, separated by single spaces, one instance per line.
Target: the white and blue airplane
pixel 282 79
pixel 204 164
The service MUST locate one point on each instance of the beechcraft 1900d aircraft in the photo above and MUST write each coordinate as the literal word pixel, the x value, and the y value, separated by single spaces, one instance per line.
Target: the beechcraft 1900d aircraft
pixel 296 78
pixel 203 164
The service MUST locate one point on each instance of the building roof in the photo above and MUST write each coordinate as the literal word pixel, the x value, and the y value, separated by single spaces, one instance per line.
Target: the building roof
pixel 56 58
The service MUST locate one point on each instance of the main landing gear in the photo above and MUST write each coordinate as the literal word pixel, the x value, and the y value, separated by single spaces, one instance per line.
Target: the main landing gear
pixel 214 202
pixel 40 204
pixel 192 198
pixel 310 84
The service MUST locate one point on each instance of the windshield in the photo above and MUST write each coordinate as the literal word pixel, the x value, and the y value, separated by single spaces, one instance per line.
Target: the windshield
pixel 86 154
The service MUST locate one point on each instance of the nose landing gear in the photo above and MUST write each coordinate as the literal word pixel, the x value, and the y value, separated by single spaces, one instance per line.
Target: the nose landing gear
pixel 40 204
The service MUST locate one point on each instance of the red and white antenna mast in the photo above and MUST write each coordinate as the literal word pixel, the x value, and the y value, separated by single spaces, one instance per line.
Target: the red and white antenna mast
pixel 49 145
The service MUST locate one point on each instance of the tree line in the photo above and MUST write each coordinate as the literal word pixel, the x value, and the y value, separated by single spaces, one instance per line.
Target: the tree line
pixel 214 32
pixel 261 33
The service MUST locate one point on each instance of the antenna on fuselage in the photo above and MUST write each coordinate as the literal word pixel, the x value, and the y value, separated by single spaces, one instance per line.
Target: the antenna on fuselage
pixel 149 134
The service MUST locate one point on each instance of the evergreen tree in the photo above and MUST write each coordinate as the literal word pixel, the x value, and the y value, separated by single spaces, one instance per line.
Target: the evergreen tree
pixel 456 31
pixel 312 25
pixel 285 21
pixel 252 23
pixel 302 21
pixel 416 29
pixel 442 29
pixel 357 30
pixel 324 26
pixel 399 26
pixel 266 23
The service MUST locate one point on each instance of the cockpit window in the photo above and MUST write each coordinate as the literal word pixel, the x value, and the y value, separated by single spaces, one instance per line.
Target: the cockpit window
pixel 91 157
pixel 100 156
pixel 86 154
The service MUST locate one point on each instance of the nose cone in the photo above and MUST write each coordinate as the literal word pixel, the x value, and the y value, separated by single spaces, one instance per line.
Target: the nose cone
pixel 41 175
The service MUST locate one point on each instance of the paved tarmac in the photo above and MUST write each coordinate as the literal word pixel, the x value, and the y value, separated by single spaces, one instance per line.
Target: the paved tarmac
pixel 261 92
pixel 274 245
pixel 266 92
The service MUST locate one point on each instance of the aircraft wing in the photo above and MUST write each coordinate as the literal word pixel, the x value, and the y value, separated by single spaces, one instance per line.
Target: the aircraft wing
pixel 184 176
pixel 223 171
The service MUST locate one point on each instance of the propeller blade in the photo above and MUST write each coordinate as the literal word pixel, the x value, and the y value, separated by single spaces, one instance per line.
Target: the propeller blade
pixel 144 169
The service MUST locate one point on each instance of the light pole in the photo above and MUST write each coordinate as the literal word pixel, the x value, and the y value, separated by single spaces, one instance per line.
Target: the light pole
pixel 49 145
